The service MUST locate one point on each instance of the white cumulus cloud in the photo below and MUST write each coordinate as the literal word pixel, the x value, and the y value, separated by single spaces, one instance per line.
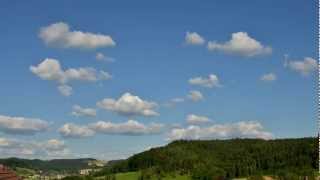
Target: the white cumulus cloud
pixel 59 35
pixel 243 129
pixel 194 38
pixel 196 119
pixel 51 70
pixel 47 149
pixel 22 125
pixel 80 111
pixel 130 127
pixel 70 130
pixel 304 67
pixel 129 105
pixel 211 81
pixel 195 96
pixel 65 90
pixel 269 77
pixel 240 44
pixel 101 57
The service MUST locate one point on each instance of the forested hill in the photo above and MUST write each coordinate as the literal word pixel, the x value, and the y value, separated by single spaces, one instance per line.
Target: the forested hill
pixel 227 158
pixel 47 165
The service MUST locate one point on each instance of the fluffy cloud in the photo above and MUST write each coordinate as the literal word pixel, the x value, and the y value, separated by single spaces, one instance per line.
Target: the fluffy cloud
pixel 6 143
pixel 102 57
pixel 59 35
pixel 304 67
pixel 195 119
pixel 80 111
pixel 194 38
pixel 21 125
pixel 130 127
pixel 243 129
pixel 240 44
pixel 195 96
pixel 70 130
pixel 210 82
pixel 51 70
pixel 268 77
pixel 65 90
pixel 52 148
pixel 54 145
pixel 129 105
pixel 103 75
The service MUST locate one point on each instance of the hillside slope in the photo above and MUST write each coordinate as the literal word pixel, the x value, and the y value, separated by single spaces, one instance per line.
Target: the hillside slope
pixel 47 165
pixel 227 158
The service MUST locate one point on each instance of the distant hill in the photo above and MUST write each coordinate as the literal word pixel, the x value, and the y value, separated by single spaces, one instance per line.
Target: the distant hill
pixel 226 158
pixel 47 165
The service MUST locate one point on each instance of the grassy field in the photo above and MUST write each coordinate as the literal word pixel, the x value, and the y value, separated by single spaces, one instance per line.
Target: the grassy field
pixel 135 176
pixel 24 172
pixel 127 176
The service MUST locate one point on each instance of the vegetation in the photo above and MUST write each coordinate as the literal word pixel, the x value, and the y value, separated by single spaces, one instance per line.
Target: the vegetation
pixel 66 165
pixel 252 159
pixel 221 159
pixel 140 175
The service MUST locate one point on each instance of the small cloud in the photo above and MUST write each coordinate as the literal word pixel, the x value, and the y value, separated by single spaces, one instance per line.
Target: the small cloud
pixel 22 125
pixel 193 38
pixel 130 127
pixel 129 105
pixel 52 148
pixel 240 44
pixel 196 119
pixel 195 96
pixel 65 90
pixel 55 145
pixel 51 70
pixel 242 129
pixel 80 111
pixel 59 35
pixel 268 77
pixel 210 82
pixel 304 67
pixel 70 130
pixel 102 57
pixel 103 75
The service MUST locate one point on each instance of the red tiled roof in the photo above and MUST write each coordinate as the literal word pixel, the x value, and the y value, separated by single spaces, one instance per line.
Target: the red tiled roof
pixel 7 174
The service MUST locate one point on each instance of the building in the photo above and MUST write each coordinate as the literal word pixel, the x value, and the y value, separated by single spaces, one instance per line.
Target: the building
pixel 85 172
pixel 7 174
pixel 97 163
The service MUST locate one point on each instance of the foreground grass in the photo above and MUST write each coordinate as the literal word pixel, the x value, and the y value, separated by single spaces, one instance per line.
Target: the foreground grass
pixel 24 172
pixel 136 175
pixel 127 176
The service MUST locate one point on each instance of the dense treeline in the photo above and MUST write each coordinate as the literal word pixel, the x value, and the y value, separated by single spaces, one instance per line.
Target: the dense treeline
pixel 68 165
pixel 288 158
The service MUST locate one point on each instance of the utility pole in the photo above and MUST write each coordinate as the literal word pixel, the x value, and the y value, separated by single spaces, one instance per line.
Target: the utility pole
pixel 318 128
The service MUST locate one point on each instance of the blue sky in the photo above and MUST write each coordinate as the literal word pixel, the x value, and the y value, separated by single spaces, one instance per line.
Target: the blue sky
pixel 263 80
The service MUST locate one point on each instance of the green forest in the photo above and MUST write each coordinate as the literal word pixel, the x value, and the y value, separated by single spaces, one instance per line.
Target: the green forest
pixel 224 159
pixel 66 165
pixel 255 159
